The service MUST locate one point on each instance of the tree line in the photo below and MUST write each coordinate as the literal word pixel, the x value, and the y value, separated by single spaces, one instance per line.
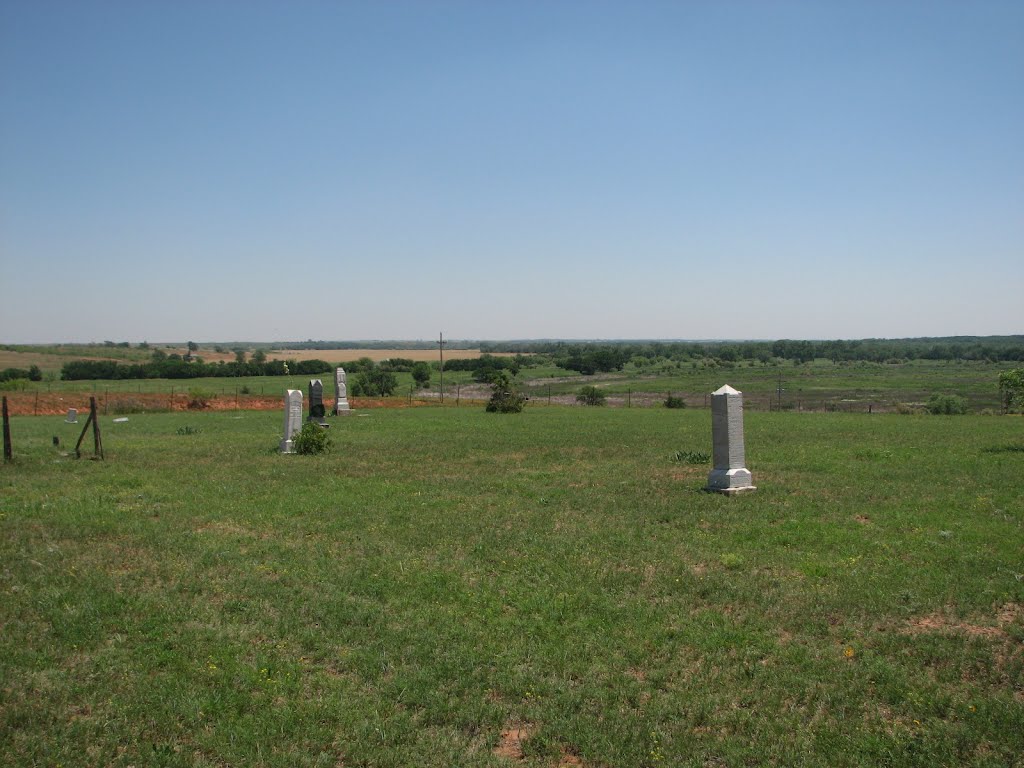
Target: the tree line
pixel 176 367
pixel 593 357
pixel 32 373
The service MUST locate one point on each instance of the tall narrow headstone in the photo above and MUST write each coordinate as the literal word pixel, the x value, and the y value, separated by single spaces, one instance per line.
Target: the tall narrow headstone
pixel 72 416
pixel 292 418
pixel 729 474
pixel 316 402
pixel 340 393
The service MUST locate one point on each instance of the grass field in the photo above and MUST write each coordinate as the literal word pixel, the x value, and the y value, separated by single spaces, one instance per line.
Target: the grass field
pixel 51 358
pixel 850 386
pixel 449 587
pixel 820 386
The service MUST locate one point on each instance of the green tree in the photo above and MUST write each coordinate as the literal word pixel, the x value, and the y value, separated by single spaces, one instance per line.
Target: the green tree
pixel 239 355
pixel 259 357
pixel 421 375
pixel 375 382
pixel 1011 388
pixel 505 396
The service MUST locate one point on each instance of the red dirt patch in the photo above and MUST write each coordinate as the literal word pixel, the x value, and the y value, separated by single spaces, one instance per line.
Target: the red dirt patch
pixel 54 404
pixel 862 519
pixel 510 745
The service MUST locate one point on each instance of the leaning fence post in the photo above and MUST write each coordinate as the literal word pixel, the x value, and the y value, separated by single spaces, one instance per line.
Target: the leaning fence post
pixel 94 421
pixel 97 441
pixel 8 454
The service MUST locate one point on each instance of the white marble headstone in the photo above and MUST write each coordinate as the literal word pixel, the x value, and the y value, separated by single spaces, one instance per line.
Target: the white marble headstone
pixel 72 416
pixel 729 473
pixel 340 392
pixel 292 418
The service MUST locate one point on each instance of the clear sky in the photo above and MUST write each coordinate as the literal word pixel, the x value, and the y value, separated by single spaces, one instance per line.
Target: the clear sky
pixel 245 170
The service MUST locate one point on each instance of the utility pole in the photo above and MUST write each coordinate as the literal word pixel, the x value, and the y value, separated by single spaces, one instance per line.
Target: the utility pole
pixel 440 349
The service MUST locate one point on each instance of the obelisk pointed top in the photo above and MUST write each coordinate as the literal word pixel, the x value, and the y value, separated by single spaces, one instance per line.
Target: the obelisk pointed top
pixel 725 389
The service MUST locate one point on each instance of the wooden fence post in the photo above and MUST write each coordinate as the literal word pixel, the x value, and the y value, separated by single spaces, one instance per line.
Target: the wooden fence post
pixel 97 441
pixel 8 454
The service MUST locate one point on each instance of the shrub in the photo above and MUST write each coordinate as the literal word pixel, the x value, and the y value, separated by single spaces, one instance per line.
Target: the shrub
pixel 505 397
pixel 187 430
pixel 946 405
pixel 198 399
pixel 1011 389
pixel 14 385
pixel 10 374
pixel 691 457
pixel 591 396
pixel 120 406
pixel 674 402
pixel 311 439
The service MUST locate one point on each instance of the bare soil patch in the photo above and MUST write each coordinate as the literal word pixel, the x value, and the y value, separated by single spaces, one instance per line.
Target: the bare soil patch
pixel 52 404
pixel 937 622
pixel 510 744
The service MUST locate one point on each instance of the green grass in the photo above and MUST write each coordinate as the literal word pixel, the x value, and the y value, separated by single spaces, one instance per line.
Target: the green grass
pixel 198 599
pixel 844 385
pixel 854 386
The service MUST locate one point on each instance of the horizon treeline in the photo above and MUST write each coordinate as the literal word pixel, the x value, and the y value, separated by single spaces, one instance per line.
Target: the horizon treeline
pixel 177 367
pixel 616 353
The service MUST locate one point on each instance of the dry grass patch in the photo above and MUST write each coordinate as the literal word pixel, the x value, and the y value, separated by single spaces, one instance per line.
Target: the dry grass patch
pixel 940 622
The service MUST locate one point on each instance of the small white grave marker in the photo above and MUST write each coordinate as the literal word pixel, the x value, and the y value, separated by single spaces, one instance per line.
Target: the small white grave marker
pixel 72 416
pixel 729 475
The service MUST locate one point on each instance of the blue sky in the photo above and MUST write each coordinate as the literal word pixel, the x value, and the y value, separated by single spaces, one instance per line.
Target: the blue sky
pixel 228 170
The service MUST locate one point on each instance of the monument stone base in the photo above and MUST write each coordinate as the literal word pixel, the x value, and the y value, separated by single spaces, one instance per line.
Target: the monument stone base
pixel 287 446
pixel 730 481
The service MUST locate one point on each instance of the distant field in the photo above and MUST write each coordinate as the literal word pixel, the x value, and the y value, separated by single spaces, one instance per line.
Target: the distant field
pixel 46 362
pixel 454 588
pixel 49 361
pixel 341 355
